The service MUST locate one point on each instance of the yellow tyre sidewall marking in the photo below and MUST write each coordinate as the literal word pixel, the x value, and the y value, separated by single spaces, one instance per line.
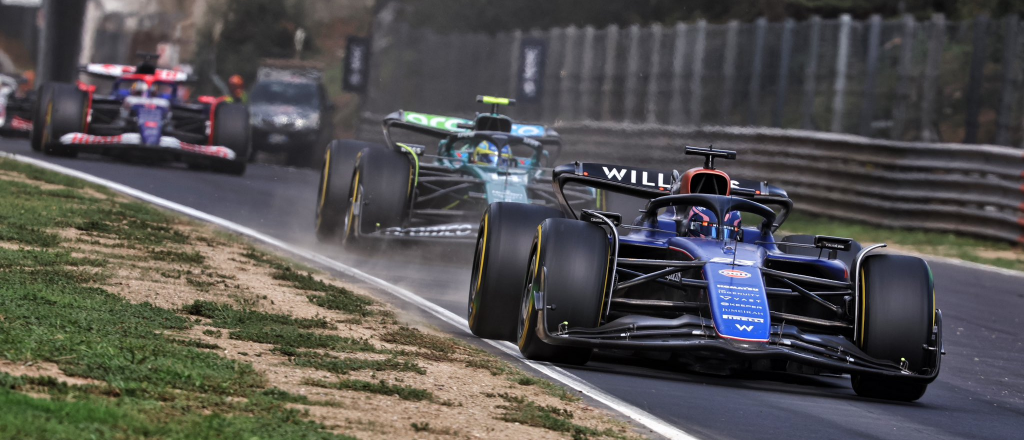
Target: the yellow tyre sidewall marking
pixel 529 307
pixel 323 189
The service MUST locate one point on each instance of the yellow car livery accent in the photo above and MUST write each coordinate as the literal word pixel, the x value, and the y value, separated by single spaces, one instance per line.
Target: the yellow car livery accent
pixel 494 100
pixel 416 160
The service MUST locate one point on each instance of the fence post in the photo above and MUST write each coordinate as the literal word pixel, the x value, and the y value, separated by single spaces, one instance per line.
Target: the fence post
pixel 936 39
pixel 552 76
pixel 839 88
pixel 513 82
pixel 651 110
pixel 783 81
pixel 696 95
pixel 978 57
pixel 755 72
pixel 569 82
pixel 1011 79
pixel 810 76
pixel 867 109
pixel 632 73
pixel 611 44
pixel 675 106
pixel 903 87
pixel 728 71
pixel 586 90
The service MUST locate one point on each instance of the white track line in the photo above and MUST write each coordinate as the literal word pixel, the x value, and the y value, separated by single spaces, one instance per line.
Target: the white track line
pixel 636 414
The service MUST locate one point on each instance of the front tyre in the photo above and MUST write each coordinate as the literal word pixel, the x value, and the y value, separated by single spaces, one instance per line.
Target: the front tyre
pixel 499 266
pixel 569 268
pixel 897 313
pixel 231 129
pixel 336 185
pixel 379 193
pixel 65 112
pixel 39 109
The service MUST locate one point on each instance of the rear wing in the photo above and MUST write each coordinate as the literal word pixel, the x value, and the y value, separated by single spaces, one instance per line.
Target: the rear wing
pixel 441 127
pixel 118 70
pixel 651 184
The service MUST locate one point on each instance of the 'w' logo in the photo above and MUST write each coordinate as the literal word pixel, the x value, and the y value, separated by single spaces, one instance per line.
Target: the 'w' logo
pixel 615 173
pixel 746 328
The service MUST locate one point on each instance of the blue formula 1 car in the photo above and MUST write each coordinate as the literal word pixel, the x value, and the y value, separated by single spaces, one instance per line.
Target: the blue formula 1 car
pixel 400 191
pixel 141 116
pixel 700 274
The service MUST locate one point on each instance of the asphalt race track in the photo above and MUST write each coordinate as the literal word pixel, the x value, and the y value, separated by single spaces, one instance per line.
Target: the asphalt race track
pixel 979 393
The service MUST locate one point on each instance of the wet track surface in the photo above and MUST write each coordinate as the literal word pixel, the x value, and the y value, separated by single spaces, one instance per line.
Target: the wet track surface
pixel 979 393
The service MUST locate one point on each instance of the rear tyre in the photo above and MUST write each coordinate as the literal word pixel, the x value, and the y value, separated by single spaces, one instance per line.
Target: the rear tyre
pixel 39 108
pixel 231 129
pixel 380 192
pixel 897 314
pixel 336 185
pixel 499 266
pixel 65 112
pixel 569 264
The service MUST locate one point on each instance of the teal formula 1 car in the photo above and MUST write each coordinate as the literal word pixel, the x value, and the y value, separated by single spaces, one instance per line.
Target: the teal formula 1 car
pixel 398 190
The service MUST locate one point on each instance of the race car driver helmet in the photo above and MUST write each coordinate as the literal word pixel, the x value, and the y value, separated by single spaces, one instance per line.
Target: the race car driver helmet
pixel 486 153
pixel 702 223
pixel 140 88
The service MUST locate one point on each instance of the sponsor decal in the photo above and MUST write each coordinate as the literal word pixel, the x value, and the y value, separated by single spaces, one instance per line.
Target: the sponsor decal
pixel 730 261
pixel 636 177
pixel 734 273
pixel 741 305
pixel 457 230
pixel 532 57
pixel 357 64
pixel 743 318
pixel 507 196
pixel 745 328
pixel 750 289
pixel 435 121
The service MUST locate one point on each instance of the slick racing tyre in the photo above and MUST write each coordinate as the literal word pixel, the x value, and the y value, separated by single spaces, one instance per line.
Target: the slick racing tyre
pixel 844 256
pixel 39 108
pixel 569 267
pixel 65 112
pixel 499 266
pixel 231 129
pixel 897 313
pixel 335 186
pixel 380 192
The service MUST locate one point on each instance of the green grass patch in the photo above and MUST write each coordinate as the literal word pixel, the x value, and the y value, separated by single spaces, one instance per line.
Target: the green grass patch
pixel 280 330
pixel 333 364
pixel 152 384
pixel 382 387
pixel 518 409
pixel 497 367
pixel 196 344
pixel 927 242
pixel 332 297
pixel 172 256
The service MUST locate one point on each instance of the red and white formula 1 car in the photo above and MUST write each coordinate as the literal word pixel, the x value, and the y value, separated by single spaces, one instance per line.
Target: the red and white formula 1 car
pixel 141 117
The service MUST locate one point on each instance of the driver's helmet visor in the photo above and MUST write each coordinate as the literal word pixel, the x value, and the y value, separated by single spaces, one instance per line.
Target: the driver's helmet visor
pixel 485 153
pixel 702 223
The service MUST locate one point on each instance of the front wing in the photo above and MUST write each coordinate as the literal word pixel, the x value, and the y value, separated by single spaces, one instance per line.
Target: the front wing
pixel 133 142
